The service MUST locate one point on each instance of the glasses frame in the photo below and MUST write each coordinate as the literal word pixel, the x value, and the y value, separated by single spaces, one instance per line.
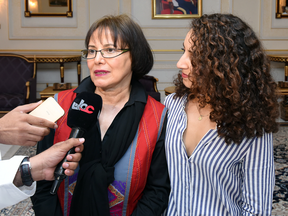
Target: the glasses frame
pixel 86 50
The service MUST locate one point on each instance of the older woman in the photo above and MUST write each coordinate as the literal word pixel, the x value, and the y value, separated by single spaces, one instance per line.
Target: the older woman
pixel 123 170
pixel 219 142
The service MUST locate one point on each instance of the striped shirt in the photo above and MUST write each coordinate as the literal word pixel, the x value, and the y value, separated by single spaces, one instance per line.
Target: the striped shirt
pixel 217 179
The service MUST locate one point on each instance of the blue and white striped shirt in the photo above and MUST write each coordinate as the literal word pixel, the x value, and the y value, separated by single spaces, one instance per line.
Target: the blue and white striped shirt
pixel 217 179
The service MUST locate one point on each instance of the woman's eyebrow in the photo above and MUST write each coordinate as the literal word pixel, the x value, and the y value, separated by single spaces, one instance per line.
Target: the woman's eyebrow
pixel 105 45
pixel 109 44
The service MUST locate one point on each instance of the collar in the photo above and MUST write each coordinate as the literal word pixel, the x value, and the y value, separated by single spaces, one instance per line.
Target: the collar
pixel 137 93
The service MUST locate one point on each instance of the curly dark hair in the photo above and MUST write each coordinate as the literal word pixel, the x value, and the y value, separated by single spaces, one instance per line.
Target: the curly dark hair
pixel 131 35
pixel 231 73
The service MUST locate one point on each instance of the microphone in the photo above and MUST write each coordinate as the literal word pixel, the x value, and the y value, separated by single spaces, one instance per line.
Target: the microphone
pixel 82 115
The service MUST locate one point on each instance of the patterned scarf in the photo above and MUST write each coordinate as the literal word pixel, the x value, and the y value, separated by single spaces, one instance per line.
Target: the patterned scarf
pixel 90 195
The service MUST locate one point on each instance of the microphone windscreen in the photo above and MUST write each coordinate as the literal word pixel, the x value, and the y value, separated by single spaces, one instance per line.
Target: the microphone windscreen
pixel 84 110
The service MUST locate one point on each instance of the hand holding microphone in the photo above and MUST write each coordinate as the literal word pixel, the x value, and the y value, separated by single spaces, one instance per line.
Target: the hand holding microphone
pixel 82 115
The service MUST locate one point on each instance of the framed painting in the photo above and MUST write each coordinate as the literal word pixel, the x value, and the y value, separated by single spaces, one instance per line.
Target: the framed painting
pixel 281 9
pixel 176 9
pixel 52 8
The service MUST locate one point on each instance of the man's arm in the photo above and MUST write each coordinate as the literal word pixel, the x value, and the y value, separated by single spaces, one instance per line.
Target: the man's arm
pixel 9 193
pixel 43 166
pixel 19 128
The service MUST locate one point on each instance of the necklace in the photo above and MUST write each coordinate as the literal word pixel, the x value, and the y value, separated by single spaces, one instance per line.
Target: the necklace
pixel 201 116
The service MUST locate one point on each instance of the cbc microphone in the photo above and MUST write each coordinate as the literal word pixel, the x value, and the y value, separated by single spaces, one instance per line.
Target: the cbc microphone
pixel 82 115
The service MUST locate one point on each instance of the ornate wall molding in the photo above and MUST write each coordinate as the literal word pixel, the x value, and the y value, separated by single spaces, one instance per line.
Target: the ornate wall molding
pixel 21 27
pixel 270 27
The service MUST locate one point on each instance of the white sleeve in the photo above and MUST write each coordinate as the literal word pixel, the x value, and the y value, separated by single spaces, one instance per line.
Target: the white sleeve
pixel 9 193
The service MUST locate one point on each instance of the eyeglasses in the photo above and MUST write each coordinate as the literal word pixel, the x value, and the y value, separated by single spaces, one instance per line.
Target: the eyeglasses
pixel 106 53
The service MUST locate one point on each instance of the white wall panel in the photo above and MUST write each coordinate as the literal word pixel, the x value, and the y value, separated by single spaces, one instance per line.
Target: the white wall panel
pixel 248 11
pixel 21 27
pixel 45 22
pixel 279 29
pixel 277 23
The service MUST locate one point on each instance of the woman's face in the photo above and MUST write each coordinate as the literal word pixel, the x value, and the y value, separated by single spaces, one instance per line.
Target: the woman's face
pixel 109 73
pixel 184 62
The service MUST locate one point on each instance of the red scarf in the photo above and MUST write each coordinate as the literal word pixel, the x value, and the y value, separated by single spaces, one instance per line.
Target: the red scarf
pixel 150 127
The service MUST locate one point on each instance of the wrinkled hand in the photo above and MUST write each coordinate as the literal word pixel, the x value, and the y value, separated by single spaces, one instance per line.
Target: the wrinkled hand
pixel 44 164
pixel 19 128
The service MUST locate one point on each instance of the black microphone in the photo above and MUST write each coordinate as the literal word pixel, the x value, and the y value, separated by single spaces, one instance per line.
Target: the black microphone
pixel 82 115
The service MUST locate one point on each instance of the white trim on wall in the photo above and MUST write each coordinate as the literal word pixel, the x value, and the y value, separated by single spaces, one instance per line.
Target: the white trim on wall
pixel 270 27
pixel 278 23
pixel 47 22
pixel 21 27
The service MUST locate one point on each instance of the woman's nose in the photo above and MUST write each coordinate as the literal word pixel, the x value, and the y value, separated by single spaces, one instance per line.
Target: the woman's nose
pixel 99 58
pixel 181 64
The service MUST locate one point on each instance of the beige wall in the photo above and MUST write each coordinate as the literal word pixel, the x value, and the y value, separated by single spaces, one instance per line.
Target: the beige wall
pixel 53 35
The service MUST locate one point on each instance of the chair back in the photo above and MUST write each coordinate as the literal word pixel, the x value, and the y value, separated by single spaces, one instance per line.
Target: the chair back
pixel 150 84
pixel 17 82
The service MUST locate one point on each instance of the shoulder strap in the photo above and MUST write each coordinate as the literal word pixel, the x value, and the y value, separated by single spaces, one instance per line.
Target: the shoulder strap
pixel 149 131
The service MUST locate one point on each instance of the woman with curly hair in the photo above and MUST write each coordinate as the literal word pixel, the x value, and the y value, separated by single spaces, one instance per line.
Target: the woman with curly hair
pixel 219 144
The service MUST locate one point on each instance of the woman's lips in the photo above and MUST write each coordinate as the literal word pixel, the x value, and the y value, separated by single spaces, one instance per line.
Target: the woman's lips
pixel 184 75
pixel 100 72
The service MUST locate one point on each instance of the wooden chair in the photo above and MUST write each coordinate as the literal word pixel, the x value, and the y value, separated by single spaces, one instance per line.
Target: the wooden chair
pixel 150 84
pixel 17 81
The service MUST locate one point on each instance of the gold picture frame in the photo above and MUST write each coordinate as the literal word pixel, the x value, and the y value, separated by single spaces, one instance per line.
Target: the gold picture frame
pixel 176 9
pixel 48 8
pixel 281 9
